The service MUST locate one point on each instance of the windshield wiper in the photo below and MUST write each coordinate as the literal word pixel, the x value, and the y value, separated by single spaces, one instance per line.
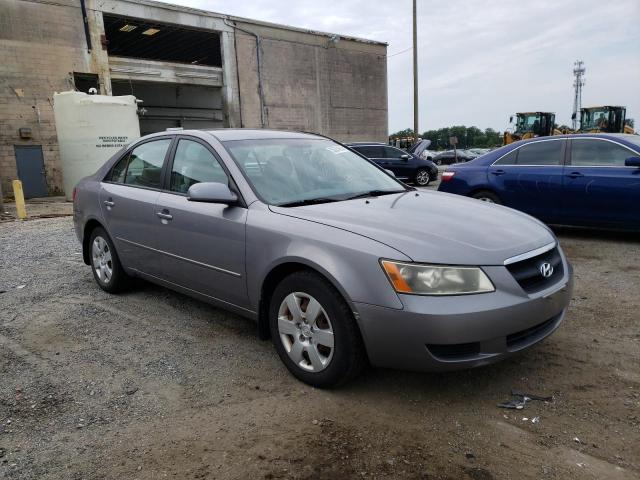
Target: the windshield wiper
pixel 308 201
pixel 375 193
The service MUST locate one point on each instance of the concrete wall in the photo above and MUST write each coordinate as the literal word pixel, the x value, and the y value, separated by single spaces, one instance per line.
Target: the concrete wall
pixel 309 82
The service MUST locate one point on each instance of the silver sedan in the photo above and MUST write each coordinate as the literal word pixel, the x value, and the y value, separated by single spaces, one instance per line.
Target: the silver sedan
pixel 340 264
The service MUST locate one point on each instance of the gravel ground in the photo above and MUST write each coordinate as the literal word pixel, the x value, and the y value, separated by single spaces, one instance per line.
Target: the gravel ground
pixel 152 384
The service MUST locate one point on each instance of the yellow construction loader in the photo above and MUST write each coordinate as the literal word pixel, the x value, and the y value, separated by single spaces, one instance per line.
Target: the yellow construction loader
pixel 530 125
pixel 606 119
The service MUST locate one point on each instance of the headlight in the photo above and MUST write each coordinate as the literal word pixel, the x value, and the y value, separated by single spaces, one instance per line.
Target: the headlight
pixel 436 279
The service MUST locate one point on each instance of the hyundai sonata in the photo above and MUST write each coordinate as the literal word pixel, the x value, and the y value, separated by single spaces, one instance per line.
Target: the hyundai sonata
pixel 339 263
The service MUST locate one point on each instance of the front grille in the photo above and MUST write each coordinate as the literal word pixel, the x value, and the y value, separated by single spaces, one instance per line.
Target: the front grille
pixel 523 337
pixel 527 272
pixel 459 351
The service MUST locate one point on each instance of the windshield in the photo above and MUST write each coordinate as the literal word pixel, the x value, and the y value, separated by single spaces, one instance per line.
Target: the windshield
pixel 288 171
pixel 596 118
pixel 528 123
pixel 604 118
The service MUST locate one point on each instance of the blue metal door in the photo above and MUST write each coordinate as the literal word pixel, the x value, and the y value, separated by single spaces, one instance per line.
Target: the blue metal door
pixel 30 164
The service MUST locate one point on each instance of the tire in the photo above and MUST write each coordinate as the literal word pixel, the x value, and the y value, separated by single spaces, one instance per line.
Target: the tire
pixel 325 351
pixel 487 196
pixel 105 263
pixel 438 161
pixel 422 177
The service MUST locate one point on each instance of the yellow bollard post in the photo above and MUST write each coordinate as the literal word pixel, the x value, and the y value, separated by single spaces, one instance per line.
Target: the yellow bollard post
pixel 21 209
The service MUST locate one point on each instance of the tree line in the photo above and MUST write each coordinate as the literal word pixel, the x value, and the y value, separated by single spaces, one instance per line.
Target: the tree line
pixel 468 137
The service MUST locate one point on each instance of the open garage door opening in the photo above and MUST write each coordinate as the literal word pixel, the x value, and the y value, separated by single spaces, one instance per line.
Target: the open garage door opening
pixel 167 105
pixel 135 38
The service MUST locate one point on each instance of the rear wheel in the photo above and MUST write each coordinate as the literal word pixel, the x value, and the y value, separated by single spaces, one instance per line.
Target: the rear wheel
pixel 422 177
pixel 314 331
pixel 105 264
pixel 487 196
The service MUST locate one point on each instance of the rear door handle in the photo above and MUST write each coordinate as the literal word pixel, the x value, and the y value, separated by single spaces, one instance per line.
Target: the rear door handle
pixel 498 172
pixel 164 216
pixel 109 203
pixel 575 175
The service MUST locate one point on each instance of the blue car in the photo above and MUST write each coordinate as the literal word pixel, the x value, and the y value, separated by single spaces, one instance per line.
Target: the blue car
pixel 580 179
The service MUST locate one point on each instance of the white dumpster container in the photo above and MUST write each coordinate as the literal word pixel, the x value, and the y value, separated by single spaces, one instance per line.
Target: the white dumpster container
pixel 91 128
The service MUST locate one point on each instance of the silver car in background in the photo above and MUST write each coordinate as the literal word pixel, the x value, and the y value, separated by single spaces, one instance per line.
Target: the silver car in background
pixel 339 263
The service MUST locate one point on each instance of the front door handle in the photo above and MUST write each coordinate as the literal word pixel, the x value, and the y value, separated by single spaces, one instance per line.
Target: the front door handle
pixel 575 175
pixel 498 172
pixel 164 216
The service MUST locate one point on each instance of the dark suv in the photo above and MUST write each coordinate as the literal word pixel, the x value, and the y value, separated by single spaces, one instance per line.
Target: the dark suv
pixel 405 166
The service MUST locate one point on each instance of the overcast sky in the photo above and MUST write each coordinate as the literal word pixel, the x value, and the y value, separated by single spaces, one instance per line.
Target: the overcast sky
pixel 480 61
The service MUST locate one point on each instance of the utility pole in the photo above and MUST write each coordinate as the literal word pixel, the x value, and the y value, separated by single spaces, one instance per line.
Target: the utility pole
pixel 415 72
pixel 578 83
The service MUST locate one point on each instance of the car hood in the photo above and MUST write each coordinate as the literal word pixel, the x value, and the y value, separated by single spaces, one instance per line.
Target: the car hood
pixel 433 227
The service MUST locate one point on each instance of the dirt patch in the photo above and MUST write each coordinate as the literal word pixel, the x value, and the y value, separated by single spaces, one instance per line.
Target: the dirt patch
pixel 151 384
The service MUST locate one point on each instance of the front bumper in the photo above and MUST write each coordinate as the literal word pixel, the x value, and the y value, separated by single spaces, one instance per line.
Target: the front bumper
pixel 456 332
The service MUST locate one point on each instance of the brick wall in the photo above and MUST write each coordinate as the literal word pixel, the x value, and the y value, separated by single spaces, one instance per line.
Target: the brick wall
pixel 40 46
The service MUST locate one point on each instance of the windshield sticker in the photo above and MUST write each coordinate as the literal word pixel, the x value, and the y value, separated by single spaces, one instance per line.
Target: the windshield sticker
pixel 337 149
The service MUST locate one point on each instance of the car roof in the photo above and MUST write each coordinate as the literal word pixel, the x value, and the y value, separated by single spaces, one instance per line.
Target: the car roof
pixel 364 144
pixel 611 136
pixel 227 134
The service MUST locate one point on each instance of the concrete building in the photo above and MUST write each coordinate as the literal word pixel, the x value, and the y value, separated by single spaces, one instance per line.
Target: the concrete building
pixel 190 67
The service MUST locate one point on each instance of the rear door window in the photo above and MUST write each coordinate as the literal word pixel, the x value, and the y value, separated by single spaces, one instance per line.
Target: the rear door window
pixel 371 151
pixel 145 163
pixel 541 153
pixel 590 152
pixel 142 166
pixel 119 170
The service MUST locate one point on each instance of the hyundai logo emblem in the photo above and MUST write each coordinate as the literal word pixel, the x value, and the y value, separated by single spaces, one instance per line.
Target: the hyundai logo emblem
pixel 546 269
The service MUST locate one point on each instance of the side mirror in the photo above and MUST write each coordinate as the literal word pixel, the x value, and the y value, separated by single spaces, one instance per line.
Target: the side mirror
pixel 211 192
pixel 632 162
pixel 405 157
pixel 390 173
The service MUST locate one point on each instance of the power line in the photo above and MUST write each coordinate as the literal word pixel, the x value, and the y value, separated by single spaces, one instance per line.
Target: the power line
pixel 401 51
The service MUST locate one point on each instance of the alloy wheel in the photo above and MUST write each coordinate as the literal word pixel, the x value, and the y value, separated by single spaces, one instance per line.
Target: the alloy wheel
pixel 422 178
pixel 102 260
pixel 305 332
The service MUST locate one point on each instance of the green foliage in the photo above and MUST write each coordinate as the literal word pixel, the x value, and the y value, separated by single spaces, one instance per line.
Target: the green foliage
pixel 407 132
pixel 468 137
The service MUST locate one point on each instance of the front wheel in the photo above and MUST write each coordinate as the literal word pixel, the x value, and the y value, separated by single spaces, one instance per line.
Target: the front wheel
pixel 422 177
pixel 314 332
pixel 487 196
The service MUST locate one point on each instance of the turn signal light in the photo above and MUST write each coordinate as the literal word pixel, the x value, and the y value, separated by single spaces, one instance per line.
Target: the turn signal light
pixel 446 176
